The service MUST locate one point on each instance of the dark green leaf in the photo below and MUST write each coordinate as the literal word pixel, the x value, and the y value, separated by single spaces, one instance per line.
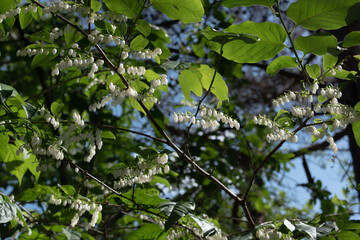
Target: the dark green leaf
pixel 187 11
pixel 318 43
pixel 310 230
pixel 41 59
pixel 166 207
pixel 247 3
pixel 30 110
pixel 7 210
pixel 207 227
pixel 148 231
pixel 326 14
pixel 5 94
pixel 71 35
pixel 130 8
pixel 314 70
pixel 279 63
pixel 104 26
pixel 138 43
pixel 180 210
pixel 351 39
pixel 71 234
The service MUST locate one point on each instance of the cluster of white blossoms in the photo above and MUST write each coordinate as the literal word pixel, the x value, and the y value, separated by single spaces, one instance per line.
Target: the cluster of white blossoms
pixel 77 119
pixel 147 54
pixel 45 50
pixel 94 82
pixel 9 14
pixel 342 114
pixel 62 6
pixel 81 206
pixel 277 133
pixel 56 33
pixel 210 118
pixel 96 37
pixel 112 16
pixel 144 172
pixel 271 234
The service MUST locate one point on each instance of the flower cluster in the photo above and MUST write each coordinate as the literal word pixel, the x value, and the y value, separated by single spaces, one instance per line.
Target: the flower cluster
pixel 129 176
pixel 210 118
pixel 277 133
pixel 147 54
pixel 9 14
pixel 109 16
pixel 77 119
pixel 287 97
pixel 55 123
pixel 81 206
pixel 269 234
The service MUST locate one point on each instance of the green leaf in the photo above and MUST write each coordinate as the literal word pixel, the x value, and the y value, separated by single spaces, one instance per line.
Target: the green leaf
pixel 147 231
pixel 310 230
pixel 187 11
pixel 108 135
pixel 329 61
pixel 356 130
pixel 138 43
pixel 130 8
pixel 166 207
pixel 318 43
pixel 5 94
pixel 219 87
pixel 71 234
pixel 314 70
pixel 190 80
pixel 71 35
pixel 180 210
pixel 351 39
pixel 247 3
pixel 279 63
pixel 15 94
pixel 68 189
pixel 168 65
pixel 41 59
pixel 25 18
pixel 145 196
pixel 347 235
pixel 343 74
pixel 30 110
pixel 272 37
pixel 104 26
pixel 289 225
pixel 143 27
pixel 161 180
pixel 281 112
pixel 56 108
pixel 207 227
pixel 95 5
pixel 7 210
pixel 326 14
pixel 322 98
